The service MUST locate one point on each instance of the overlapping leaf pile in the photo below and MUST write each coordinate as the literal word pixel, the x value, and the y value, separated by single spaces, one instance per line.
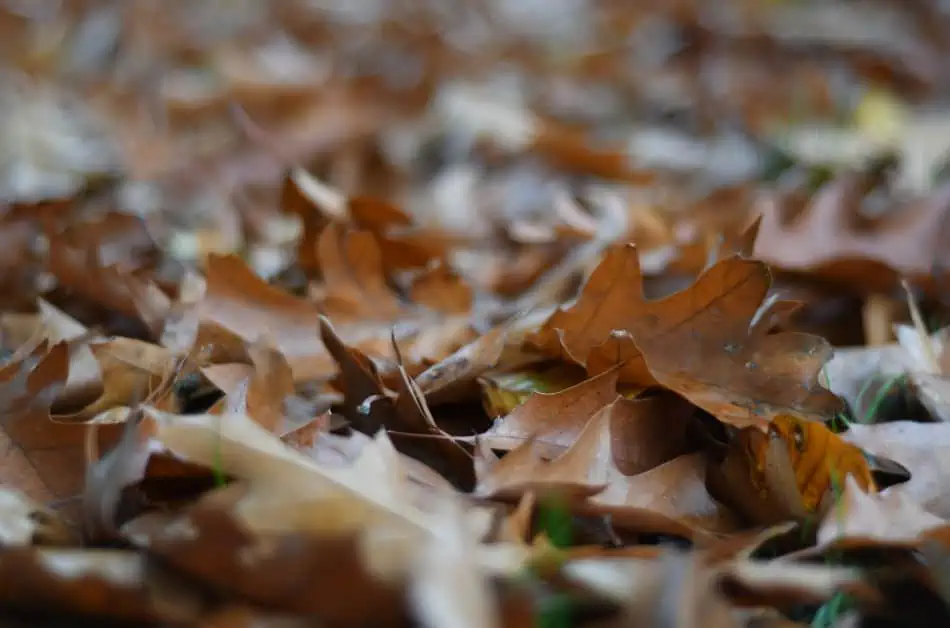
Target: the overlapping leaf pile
pixel 474 314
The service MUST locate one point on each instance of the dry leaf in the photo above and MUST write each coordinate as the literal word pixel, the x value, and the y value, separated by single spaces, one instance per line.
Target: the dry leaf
pixel 129 370
pixel 263 386
pixel 97 585
pixel 918 447
pixel 296 573
pixel 670 497
pixel 241 303
pixel 709 342
pixel 789 473
pixel 554 420
pixel 44 459
pixel 824 237
pixel 354 284
pixel 888 518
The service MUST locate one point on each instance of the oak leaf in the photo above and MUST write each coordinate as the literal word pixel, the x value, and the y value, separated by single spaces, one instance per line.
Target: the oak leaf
pixel 319 206
pixel 111 584
pixel 85 272
pixel 708 343
pixel 128 370
pixel 827 236
pixel 288 572
pixel 553 420
pixel 788 473
pixel 261 389
pixel 371 407
pixel 670 497
pixel 44 459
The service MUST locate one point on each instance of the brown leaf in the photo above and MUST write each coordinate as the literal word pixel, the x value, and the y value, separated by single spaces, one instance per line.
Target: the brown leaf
pixel 554 420
pixel 83 272
pixel 370 409
pixel 442 380
pixel 440 289
pixel 238 301
pixel 25 522
pixel 824 236
pixel 129 370
pixel 43 459
pixel 265 385
pixel 674 588
pixel 320 205
pixel 95 585
pixel 354 284
pixel 645 433
pixel 291 572
pixel 107 476
pixel 668 498
pixel 756 479
pixel 704 343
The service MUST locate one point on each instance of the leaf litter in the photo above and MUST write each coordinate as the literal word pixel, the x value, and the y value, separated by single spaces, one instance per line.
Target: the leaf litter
pixel 493 319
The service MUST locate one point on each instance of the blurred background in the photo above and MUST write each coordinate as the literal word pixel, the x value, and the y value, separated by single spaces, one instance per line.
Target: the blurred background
pixel 475 116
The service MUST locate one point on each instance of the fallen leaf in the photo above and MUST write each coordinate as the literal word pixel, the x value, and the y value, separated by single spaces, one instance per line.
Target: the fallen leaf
pixel 503 392
pixel 449 589
pixel 790 473
pixel 641 586
pixel 442 380
pixel 554 420
pixel 320 205
pixel 241 303
pixel 24 522
pixel 371 408
pixel 925 366
pixel 917 447
pixel 824 236
pixel 129 370
pixel 44 459
pixel 276 473
pixel 670 497
pixel 264 386
pixel 706 343
pixel 287 572
pixel 888 518
pixel 647 432
pixel 354 284
pixel 96 585
pixel 106 285
pixel 441 289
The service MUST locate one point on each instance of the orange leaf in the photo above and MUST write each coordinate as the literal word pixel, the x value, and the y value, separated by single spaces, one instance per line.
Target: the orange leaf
pixel 789 473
